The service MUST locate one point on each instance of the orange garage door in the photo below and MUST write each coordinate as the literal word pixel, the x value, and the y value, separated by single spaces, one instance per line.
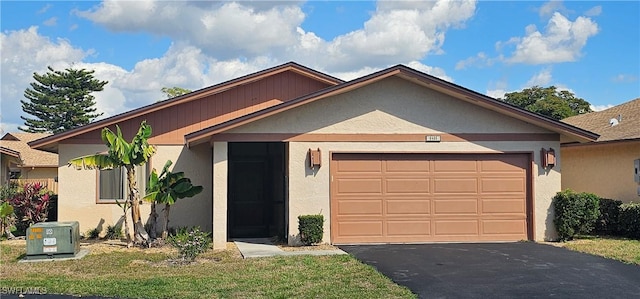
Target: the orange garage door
pixel 393 198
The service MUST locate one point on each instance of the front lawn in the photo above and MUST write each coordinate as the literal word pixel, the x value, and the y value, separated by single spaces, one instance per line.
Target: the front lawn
pixel 137 273
pixel 624 250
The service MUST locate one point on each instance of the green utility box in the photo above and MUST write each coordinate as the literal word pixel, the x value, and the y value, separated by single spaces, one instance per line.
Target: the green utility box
pixel 53 240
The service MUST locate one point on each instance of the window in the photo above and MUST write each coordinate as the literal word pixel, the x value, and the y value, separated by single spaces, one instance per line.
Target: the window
pixel 112 183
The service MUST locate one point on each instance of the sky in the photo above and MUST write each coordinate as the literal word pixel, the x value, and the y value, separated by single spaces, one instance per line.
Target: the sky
pixel 591 48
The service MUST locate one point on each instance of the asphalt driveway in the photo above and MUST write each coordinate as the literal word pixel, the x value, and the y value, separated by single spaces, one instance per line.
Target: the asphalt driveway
pixel 504 270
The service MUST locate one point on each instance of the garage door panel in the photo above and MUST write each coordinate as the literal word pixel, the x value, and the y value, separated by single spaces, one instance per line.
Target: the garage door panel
pixel 502 185
pixel 359 166
pixel 503 206
pixel 503 165
pixel 504 227
pixel 360 228
pixel 429 198
pixel 359 186
pixel 407 185
pixel 457 166
pixel 408 207
pixel 411 165
pixel 448 206
pixel 453 185
pixel 456 227
pixel 409 228
pixel 359 207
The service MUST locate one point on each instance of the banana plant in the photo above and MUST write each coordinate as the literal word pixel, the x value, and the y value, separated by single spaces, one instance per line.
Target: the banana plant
pixel 6 214
pixel 128 155
pixel 166 189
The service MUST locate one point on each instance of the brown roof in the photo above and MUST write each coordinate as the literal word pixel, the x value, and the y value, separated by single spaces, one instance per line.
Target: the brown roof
pixel 50 143
pixel 9 152
pixel 627 116
pixel 30 157
pixel 412 75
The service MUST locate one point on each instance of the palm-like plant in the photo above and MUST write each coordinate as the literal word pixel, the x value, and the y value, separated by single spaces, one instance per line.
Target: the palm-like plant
pixel 128 155
pixel 166 189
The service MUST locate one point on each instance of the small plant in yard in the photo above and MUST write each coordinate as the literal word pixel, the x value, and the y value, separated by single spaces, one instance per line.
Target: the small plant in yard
pixel 311 228
pixel 629 220
pixel 114 232
pixel 30 204
pixel 608 222
pixel 575 213
pixel 7 220
pixel 190 242
pixel 93 233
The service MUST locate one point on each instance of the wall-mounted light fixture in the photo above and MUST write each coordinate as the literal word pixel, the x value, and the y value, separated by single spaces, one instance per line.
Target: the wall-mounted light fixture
pixel 314 158
pixel 548 157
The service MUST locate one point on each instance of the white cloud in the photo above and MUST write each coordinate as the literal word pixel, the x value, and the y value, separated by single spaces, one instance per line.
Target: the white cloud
pixel 224 30
pixel 624 78
pixel 562 41
pixel 51 21
pixel 397 31
pixel 480 60
pixel 44 9
pixel 496 93
pixel 600 107
pixel 543 78
pixel 594 11
pixel 550 7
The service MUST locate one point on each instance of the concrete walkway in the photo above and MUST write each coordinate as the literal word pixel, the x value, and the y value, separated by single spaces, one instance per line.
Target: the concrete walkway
pixel 263 247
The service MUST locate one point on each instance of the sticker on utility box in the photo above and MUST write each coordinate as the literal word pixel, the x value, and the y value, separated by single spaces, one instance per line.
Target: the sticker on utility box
pixel 49 249
pixel 49 241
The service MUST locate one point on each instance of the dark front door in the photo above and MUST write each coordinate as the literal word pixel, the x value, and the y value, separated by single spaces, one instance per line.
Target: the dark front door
pixel 249 202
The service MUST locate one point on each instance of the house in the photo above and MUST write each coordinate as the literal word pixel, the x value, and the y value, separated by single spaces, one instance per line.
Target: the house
pixel 20 161
pixel 8 159
pixel 394 156
pixel 606 166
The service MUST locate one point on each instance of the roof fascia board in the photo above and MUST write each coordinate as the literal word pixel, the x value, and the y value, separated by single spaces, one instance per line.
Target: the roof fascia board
pixel 600 143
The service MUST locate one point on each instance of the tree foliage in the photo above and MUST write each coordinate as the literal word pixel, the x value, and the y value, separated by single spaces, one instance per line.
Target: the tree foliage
pixel 60 100
pixel 166 189
pixel 172 92
pixel 548 101
pixel 128 155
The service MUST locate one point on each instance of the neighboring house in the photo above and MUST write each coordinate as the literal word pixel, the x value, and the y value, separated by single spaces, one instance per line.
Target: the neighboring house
pixel 31 165
pixel 605 167
pixel 395 156
pixel 8 159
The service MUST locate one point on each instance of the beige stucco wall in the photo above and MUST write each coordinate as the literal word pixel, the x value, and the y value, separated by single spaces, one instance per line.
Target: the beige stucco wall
pixel 397 106
pixel 606 170
pixel 390 106
pixel 220 172
pixel 195 162
pixel 39 173
pixel 77 189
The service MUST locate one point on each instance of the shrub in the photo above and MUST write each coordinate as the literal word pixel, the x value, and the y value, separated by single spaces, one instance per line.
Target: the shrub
pixel 575 213
pixel 311 228
pixel 114 232
pixel 30 204
pixel 607 223
pixel 93 233
pixel 630 220
pixel 190 242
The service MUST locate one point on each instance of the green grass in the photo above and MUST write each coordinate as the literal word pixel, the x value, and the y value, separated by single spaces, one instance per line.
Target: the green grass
pixel 624 250
pixel 140 274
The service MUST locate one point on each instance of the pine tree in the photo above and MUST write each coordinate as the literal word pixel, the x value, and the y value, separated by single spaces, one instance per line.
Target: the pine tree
pixel 60 100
